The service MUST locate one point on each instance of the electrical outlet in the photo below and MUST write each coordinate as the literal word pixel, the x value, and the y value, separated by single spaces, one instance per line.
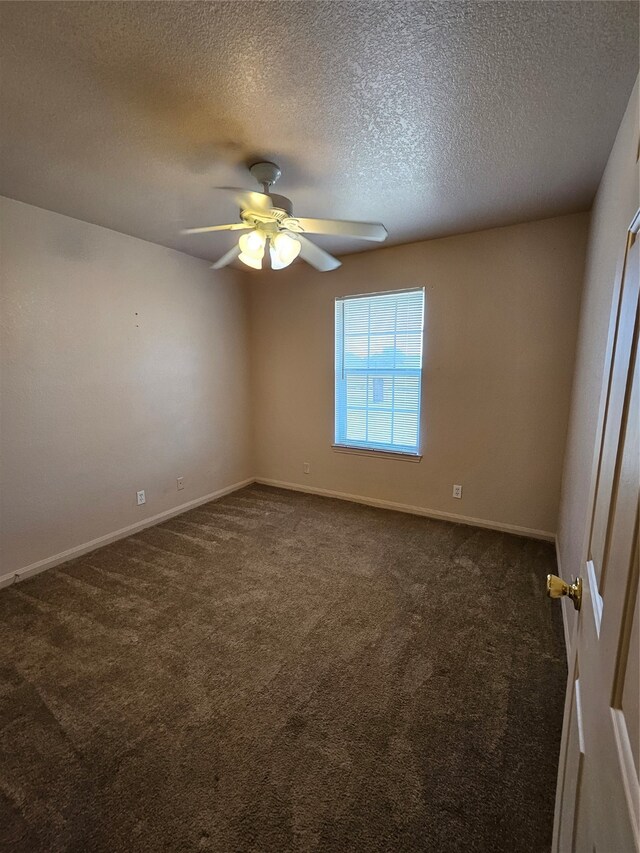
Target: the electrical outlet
pixel 141 497
pixel 180 482
pixel 306 468
pixel 457 491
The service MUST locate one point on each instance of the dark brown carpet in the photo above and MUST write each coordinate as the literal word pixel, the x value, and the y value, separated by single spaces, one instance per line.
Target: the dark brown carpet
pixel 280 672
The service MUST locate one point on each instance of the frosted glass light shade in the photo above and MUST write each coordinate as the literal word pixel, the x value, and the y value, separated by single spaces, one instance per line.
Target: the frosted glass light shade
pixel 252 243
pixel 250 260
pixel 252 249
pixel 284 249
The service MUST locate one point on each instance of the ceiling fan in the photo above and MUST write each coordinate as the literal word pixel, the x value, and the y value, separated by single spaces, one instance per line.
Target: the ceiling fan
pixel 268 218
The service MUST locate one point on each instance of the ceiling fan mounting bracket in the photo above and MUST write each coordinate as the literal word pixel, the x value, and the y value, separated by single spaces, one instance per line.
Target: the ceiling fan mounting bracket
pixel 265 173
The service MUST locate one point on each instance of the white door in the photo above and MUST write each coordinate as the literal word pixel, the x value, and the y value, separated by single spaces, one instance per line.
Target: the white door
pixel 598 796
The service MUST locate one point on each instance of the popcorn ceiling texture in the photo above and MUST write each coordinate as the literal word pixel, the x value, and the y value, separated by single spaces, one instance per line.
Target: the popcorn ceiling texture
pixel 434 117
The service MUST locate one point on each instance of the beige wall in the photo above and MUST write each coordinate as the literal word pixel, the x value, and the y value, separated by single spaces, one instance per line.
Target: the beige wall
pixel 124 366
pixel 616 203
pixel 99 401
pixel 501 321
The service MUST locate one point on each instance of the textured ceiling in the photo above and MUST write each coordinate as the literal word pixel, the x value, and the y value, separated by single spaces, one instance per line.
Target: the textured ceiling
pixel 434 118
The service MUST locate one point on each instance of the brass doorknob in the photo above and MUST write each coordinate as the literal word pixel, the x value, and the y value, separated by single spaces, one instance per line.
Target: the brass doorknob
pixel 556 588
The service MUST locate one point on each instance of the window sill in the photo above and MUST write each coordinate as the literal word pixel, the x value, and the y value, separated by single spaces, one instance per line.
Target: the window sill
pixel 379 454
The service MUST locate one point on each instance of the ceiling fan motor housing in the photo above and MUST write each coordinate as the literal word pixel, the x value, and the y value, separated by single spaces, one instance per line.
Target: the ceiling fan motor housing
pixel 281 202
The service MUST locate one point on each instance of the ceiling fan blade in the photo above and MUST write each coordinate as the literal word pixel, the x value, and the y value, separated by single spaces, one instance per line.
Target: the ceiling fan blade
pixel 231 255
pixel 235 226
pixel 316 256
pixel 342 228
pixel 248 199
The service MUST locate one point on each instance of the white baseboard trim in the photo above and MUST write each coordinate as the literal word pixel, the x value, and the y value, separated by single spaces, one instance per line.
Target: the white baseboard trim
pixel 563 607
pixel 413 510
pixel 79 550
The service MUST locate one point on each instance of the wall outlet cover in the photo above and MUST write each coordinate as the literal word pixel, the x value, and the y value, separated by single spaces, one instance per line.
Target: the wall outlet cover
pixel 141 497
pixel 180 482
pixel 457 491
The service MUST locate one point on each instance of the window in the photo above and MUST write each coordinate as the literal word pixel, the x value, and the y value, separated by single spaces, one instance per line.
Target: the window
pixel 379 371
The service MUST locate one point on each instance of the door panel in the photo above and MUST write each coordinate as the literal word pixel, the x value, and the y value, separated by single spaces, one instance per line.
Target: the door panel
pixel 623 343
pixel 598 801
pixel 574 759
pixel 630 700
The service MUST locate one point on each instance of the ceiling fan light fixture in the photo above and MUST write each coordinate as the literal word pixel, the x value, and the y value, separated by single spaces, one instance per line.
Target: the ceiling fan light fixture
pixel 267 216
pixel 284 249
pixel 250 261
pixel 253 244
pixel 252 249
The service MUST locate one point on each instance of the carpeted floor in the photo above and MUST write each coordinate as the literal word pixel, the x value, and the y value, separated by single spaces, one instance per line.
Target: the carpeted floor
pixel 280 672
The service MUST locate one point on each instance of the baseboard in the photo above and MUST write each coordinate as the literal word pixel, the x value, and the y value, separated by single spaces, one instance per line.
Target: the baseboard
pixel 563 607
pixel 79 550
pixel 413 510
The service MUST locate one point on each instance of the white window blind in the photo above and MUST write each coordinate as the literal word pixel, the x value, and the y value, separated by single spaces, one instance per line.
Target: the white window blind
pixel 379 370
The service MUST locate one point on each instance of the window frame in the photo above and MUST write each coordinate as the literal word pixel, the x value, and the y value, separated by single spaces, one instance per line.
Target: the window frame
pixel 364 450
